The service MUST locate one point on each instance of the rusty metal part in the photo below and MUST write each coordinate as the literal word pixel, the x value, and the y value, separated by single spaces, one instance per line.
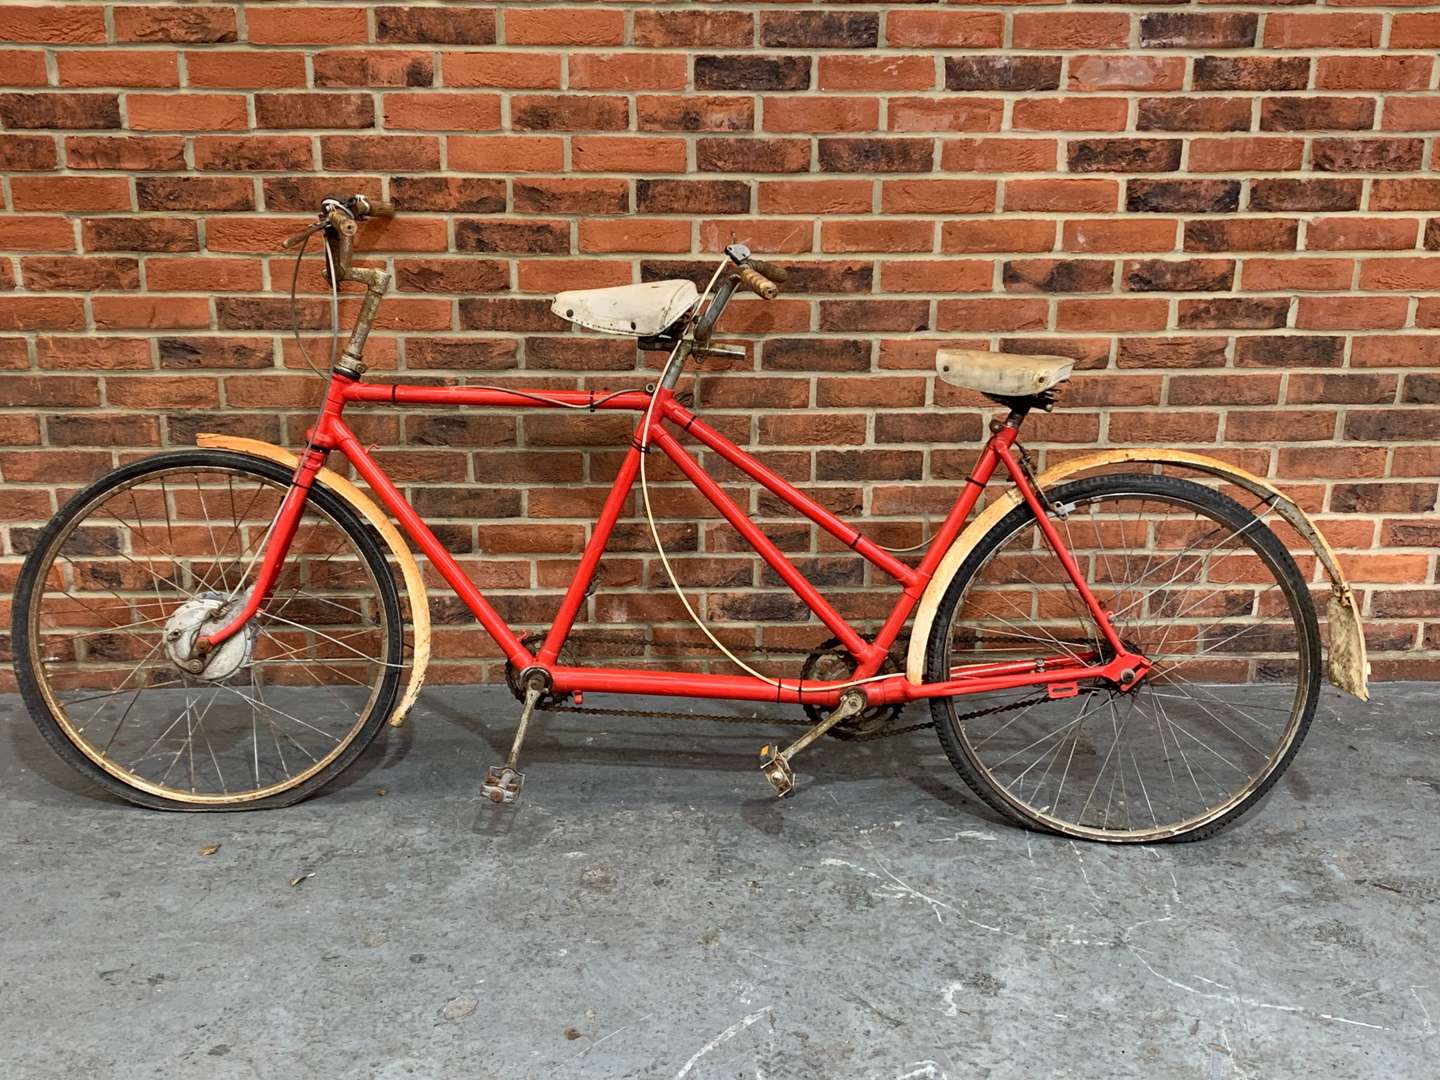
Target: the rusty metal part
pixel 776 766
pixel 503 782
pixel 830 662
pixel 399 550
pixel 1346 663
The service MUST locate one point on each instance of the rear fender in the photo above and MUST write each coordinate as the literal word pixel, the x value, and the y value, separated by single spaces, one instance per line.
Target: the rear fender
pixel 399 550
pixel 1346 665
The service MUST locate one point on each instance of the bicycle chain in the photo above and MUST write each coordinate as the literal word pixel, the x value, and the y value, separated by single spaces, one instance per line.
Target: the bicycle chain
pixel 665 714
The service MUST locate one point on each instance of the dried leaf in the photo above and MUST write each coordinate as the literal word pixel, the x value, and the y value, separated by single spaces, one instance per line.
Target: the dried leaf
pixel 209 849
pixel 379 791
pixel 297 880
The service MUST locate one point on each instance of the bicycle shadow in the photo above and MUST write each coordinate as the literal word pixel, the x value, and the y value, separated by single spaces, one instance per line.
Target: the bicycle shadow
pixel 832 765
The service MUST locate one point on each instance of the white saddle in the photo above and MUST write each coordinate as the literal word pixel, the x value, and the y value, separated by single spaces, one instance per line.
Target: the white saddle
pixel 643 309
pixel 1001 374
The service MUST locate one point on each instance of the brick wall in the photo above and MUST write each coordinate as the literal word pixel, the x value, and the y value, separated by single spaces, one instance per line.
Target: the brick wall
pixel 1228 215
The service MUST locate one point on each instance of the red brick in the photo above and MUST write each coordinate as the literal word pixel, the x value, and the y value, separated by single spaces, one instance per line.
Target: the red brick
pixel 1415 31
pixel 545 112
pixel 97 353
pixel 118 151
pixel 127 68
pixel 1240 154
pixel 670 112
pixel 1351 313
pixel 1419 113
pixel 1070 114
pixel 936 276
pixel 1069 30
pixel 432 25
pixel 1083 196
pixel 635 234
pixel 28 153
pixel 35 233
pixel 829 113
pixel 249 69
pixel 187 112
pixel 22 67
pixel 198 23
pixel 1373 72
pixel 332 110
pixel 564 26
pixel 1119 235
pixel 52 24
pixel 706 29
pixel 887 73
pixel 1419 273
pixel 997 235
pixel 874 234
pixel 505 153
pixel 628 71
pixel 1297 275
pixel 815 196
pixel 42 313
pixel 944 30
pixel 987 315
pixel 442 112
pixel 998 155
pixel 373 68
pixel 1417 194
pixel 1351 30
pixel 944 114
pixel 1126 72
pixel 1360 234
pixel 70 194
pixel 620 153
pixel 937 196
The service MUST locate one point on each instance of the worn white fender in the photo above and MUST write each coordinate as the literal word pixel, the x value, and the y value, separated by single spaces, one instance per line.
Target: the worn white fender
pixel 365 506
pixel 1346 665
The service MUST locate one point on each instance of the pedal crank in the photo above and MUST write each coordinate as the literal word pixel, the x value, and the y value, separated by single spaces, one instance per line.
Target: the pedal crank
pixel 776 764
pixel 503 782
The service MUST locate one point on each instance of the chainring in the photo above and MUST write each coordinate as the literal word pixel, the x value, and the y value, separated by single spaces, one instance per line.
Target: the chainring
pixel 831 662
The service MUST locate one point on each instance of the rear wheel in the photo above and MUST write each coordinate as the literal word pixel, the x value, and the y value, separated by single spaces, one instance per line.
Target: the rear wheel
pixel 1193 581
pixel 165 545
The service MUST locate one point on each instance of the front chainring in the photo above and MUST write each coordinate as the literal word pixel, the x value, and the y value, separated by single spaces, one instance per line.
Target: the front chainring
pixel 831 662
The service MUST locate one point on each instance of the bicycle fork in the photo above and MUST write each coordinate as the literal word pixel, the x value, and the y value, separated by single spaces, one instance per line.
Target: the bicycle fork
pixel 275 545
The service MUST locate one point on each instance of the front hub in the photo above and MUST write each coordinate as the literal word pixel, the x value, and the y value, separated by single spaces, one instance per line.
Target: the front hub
pixel 197 618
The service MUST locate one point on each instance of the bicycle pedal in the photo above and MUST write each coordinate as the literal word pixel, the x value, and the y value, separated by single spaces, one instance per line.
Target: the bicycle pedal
pixel 777 770
pixel 502 785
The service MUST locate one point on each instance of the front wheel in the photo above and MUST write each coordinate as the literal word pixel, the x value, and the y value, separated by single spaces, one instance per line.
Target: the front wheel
pixel 141 558
pixel 1191 580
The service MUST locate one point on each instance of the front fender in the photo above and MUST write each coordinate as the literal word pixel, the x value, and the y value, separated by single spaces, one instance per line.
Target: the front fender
pixel 366 508
pixel 1346 665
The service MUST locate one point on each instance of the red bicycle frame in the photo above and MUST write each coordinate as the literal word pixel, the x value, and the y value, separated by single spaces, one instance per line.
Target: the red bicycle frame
pixel 331 433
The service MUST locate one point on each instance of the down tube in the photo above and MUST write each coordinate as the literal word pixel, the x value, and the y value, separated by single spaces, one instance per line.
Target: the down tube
pixel 435 551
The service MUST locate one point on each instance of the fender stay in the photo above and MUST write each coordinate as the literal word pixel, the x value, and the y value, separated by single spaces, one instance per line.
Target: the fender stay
pixel 366 508
pixel 1346 664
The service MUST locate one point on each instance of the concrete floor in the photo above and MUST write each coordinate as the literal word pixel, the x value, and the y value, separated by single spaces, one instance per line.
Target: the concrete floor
pixel 651 911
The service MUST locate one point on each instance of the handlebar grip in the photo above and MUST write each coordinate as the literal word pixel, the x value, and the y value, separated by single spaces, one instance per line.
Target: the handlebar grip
pixel 362 206
pixel 770 270
pixel 757 283
pixel 296 238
